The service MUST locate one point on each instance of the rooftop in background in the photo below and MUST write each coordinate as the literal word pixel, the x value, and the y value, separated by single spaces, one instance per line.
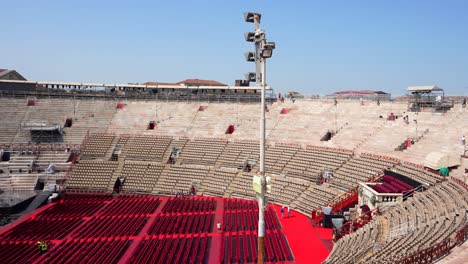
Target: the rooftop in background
pixel 424 88
pixel 189 82
pixel 358 92
pixel 361 94
pixel 6 74
pixel 147 85
pixel 199 82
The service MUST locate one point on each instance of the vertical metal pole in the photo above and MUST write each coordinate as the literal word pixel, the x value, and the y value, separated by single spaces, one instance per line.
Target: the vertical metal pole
pixel 416 129
pixel 261 197
pixel 336 117
pixel 259 79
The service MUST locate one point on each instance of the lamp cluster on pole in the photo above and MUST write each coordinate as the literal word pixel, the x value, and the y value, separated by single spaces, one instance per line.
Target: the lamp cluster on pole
pixel 263 50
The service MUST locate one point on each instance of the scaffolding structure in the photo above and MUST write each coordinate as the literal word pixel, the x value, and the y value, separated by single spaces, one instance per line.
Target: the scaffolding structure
pixel 44 132
pixel 428 98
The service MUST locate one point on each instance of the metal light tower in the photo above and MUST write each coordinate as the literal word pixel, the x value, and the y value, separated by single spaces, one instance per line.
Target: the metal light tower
pixel 263 50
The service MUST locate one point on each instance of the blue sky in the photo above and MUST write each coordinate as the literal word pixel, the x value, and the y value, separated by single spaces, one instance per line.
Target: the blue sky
pixel 322 46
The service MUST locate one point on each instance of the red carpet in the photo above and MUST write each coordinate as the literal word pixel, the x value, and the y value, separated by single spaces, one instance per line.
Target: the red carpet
pixel 307 242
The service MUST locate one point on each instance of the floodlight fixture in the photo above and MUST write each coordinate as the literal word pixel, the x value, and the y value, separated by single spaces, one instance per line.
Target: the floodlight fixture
pixel 249 36
pixel 269 45
pixel 249 56
pixel 250 76
pixel 267 50
pixel 250 17
pixel 266 53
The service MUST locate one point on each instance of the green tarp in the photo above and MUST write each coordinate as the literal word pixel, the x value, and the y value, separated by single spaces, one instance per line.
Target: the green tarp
pixel 444 171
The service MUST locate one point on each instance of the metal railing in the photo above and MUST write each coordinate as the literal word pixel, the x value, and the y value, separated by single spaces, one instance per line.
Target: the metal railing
pixel 432 253
pixel 357 223
pixel 166 96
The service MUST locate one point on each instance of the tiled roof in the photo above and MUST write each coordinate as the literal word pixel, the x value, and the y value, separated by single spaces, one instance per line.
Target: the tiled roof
pixel 198 82
pixel 4 72
pixel 201 82
pixel 359 92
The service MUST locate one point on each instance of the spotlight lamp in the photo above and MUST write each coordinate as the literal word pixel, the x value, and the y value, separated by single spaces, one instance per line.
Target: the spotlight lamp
pixel 249 56
pixel 250 17
pixel 250 76
pixel 249 36
pixel 270 45
pixel 267 50
pixel 266 53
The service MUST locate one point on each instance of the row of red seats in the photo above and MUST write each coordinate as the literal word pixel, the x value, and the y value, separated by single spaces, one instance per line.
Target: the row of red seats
pixel 111 227
pixel 248 220
pixel 243 248
pixel 392 185
pixel 186 205
pixel 383 188
pixel 240 249
pixel 238 204
pixel 41 229
pixel 240 221
pixel 281 245
pixel 86 198
pixel 185 224
pixel 127 205
pixel 71 209
pixel 87 252
pixel 177 250
pixel 396 182
pixel 9 253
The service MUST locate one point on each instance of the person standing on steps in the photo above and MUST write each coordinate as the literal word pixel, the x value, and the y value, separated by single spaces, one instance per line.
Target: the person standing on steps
pixel 282 211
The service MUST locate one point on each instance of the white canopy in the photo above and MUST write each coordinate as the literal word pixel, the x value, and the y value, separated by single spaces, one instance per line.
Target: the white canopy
pixel 424 88
pixel 436 160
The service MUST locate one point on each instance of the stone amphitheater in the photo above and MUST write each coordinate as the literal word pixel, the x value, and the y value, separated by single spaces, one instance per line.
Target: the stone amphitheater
pixel 366 143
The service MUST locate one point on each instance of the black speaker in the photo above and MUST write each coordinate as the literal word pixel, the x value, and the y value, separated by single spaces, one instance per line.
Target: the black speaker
pixel 327 221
